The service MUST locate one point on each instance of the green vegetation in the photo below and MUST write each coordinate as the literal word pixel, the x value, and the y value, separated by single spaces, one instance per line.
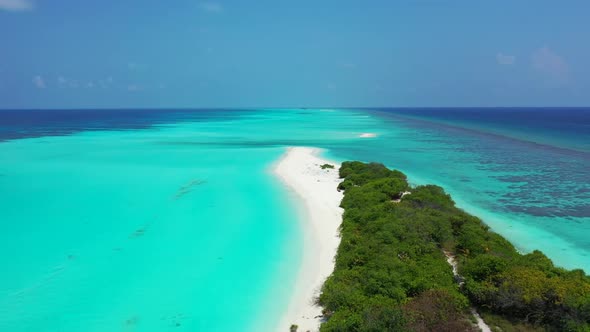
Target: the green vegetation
pixel 500 324
pixel 391 273
pixel 327 166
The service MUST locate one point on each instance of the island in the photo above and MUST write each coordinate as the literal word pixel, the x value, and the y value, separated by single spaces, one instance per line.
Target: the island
pixel 408 259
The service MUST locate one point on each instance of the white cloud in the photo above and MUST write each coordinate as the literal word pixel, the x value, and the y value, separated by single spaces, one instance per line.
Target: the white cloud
pixel 39 82
pixel 504 59
pixel 16 5
pixel 134 66
pixel 64 82
pixel 134 87
pixel 347 65
pixel 106 83
pixel 551 65
pixel 210 7
pixel 61 81
pixel 71 83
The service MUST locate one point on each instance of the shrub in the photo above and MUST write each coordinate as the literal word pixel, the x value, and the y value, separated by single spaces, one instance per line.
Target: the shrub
pixel 391 274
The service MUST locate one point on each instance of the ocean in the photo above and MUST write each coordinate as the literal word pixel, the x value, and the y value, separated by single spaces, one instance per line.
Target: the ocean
pixel 156 220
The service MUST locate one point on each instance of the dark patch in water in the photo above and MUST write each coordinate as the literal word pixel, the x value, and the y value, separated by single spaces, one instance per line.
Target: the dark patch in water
pixel 131 321
pixel 139 232
pixel 18 124
pixel 513 178
pixel 175 320
pixel 579 211
pixel 188 188
pixel 550 120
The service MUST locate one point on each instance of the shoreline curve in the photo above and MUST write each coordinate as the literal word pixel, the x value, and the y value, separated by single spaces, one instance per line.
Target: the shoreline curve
pixel 316 189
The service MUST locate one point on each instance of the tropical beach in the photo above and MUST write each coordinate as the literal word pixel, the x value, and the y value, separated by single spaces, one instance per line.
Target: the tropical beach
pixel 132 218
pixel 411 260
pixel 314 181
pixel 321 166
pixel 320 216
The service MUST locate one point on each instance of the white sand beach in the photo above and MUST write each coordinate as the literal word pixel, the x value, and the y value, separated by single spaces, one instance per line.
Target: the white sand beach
pixel 300 170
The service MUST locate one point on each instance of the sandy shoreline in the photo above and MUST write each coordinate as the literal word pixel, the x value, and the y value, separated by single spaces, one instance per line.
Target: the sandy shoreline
pixel 300 169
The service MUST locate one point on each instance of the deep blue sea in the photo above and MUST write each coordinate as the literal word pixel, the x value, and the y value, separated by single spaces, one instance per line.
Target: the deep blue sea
pixel 156 220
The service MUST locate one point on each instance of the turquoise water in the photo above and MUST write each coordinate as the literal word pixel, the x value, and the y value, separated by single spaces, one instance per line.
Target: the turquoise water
pixel 536 195
pixel 174 221
pixel 124 232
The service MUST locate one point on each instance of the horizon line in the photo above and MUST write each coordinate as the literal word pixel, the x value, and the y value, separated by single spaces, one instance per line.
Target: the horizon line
pixel 290 108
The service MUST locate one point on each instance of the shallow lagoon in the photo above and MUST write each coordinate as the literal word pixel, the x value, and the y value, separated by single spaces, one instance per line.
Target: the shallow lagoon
pixel 177 223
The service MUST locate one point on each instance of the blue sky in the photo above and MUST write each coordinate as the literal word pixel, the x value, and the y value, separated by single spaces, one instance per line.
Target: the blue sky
pixel 272 53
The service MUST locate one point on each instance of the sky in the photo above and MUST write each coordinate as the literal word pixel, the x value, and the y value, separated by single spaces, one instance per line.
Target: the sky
pixel 305 53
